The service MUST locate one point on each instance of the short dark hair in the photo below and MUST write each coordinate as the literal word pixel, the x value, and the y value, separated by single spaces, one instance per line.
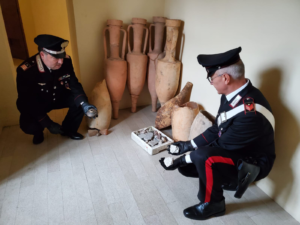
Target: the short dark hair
pixel 41 49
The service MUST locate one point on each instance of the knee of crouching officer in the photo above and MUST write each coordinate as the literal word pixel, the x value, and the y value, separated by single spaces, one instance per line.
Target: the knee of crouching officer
pixel 183 171
pixel 199 155
pixel 31 128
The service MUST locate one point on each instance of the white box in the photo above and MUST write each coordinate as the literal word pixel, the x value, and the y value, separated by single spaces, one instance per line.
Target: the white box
pixel 151 150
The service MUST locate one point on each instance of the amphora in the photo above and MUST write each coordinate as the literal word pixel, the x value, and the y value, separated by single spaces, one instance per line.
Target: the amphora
pixel 137 60
pixel 163 116
pixel 115 66
pixel 168 68
pixel 154 54
pixel 200 124
pixel 101 99
pixel 182 119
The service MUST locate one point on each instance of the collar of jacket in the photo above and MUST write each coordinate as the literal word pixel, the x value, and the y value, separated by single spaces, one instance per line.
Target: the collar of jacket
pixel 41 65
pixel 242 93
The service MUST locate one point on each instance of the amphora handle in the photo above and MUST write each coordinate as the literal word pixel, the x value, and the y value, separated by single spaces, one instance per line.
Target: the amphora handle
pixel 124 43
pixel 150 47
pixel 128 30
pixel 146 39
pixel 104 40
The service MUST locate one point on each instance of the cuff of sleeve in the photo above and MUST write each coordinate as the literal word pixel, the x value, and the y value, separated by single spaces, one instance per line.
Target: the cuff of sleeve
pixel 188 159
pixel 80 98
pixel 45 121
pixel 194 144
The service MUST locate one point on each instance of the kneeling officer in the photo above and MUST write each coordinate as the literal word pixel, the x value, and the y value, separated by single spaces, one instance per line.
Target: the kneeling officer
pixel 47 81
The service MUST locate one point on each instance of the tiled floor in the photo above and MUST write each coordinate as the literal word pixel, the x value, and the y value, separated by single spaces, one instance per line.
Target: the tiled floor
pixel 107 180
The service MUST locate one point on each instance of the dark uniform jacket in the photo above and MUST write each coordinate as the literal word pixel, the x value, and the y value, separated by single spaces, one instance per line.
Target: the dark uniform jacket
pixel 249 133
pixel 39 88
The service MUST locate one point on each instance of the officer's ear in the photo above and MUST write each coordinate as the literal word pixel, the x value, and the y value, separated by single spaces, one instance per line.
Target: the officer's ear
pixel 227 78
pixel 42 54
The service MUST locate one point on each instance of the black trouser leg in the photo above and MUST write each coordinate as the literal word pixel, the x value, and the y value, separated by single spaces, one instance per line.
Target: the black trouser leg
pixel 215 167
pixel 30 125
pixel 189 170
pixel 73 119
pixel 74 116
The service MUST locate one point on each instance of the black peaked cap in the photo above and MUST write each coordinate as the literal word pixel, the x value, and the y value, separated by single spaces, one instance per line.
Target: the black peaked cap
pixel 52 43
pixel 214 62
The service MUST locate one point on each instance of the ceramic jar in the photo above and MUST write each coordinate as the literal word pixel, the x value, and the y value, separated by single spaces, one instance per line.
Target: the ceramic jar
pixel 154 54
pixel 168 68
pixel 115 66
pixel 200 124
pixel 182 119
pixel 137 59
pixel 163 116
pixel 101 99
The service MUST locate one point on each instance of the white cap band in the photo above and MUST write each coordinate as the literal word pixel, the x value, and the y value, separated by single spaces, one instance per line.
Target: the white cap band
pixel 54 52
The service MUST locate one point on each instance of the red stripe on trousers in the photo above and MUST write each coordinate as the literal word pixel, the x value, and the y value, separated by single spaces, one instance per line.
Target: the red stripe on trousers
pixel 209 173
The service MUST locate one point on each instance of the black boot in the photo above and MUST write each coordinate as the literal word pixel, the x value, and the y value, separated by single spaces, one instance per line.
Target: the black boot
pixel 73 135
pixel 38 138
pixel 205 210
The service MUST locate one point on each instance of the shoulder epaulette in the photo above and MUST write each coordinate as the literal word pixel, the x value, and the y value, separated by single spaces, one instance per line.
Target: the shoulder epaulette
pixel 27 64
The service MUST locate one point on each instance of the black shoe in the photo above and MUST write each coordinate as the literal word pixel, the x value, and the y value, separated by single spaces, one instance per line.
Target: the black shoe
pixel 38 138
pixel 229 187
pixel 205 210
pixel 73 135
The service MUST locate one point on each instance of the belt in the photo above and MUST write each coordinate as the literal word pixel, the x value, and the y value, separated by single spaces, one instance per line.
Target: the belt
pixel 224 116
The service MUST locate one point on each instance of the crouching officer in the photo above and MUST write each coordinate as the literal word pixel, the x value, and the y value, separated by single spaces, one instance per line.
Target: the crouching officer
pixel 47 81
pixel 238 149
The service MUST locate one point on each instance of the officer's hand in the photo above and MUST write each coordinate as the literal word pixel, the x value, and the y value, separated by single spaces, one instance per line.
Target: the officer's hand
pixel 179 162
pixel 171 167
pixel 86 106
pixel 54 128
pixel 184 146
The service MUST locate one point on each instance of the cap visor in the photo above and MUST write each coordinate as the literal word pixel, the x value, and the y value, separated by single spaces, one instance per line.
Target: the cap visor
pixel 59 56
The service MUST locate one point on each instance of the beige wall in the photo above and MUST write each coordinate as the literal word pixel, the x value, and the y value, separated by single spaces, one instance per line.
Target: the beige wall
pixel 8 93
pixel 28 25
pixel 269 34
pixel 90 20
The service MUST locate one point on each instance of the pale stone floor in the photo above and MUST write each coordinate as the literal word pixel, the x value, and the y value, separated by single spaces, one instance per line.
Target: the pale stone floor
pixel 107 180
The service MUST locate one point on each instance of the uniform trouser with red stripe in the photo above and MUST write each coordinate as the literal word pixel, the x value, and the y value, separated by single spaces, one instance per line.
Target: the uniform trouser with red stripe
pixel 213 166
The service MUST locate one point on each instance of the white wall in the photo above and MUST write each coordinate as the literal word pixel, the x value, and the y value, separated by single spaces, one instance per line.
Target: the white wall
pixel 269 33
pixel 90 20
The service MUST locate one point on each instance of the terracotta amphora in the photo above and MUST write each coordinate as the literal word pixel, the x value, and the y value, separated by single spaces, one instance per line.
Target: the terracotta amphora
pixel 182 119
pixel 200 124
pixel 115 66
pixel 155 54
pixel 101 99
pixel 163 116
pixel 137 60
pixel 168 68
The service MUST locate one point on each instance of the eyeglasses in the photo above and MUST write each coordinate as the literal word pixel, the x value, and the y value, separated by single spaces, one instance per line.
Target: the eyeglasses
pixel 210 79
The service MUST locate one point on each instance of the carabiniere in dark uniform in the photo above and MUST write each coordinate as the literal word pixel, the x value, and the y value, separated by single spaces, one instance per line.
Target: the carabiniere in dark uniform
pixel 42 89
pixel 238 149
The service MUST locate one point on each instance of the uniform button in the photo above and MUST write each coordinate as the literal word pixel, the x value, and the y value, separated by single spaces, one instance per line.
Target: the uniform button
pixel 42 89
pixel 54 99
pixel 65 81
pixel 46 90
pixel 53 93
pixel 54 87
